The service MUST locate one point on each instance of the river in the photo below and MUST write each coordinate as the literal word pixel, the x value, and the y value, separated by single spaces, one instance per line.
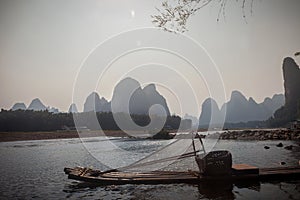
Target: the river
pixel 34 170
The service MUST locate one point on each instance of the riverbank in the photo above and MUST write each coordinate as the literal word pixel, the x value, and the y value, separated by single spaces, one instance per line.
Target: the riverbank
pixel 254 134
pixel 261 134
pixel 47 135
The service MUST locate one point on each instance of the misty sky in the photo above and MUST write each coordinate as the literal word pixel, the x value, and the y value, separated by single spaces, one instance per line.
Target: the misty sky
pixel 43 44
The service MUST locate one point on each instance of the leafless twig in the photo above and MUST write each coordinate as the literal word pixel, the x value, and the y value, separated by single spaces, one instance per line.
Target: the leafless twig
pixel 174 14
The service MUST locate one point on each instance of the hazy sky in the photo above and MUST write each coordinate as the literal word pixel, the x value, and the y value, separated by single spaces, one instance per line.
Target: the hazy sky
pixel 43 44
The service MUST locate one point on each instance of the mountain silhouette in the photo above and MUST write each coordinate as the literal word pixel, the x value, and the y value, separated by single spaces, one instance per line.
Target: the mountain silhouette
pixel 210 113
pixel 36 105
pixel 129 92
pixel 73 108
pixel 153 97
pixel 291 75
pixel 273 104
pixel 94 103
pixel 291 110
pixel 239 109
pixel 18 106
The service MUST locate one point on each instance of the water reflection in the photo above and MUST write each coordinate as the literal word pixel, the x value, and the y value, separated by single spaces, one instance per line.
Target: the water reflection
pixel 208 190
pixel 25 166
pixel 215 190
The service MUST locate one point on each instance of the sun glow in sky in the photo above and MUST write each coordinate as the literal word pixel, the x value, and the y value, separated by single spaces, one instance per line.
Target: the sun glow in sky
pixel 44 43
pixel 132 13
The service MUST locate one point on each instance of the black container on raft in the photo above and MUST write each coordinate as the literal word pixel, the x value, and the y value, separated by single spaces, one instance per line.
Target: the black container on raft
pixel 215 163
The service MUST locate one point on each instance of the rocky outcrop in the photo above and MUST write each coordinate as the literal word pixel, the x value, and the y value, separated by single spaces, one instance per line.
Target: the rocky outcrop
pixel 275 134
pixel 18 106
pixel 291 75
pixel 291 110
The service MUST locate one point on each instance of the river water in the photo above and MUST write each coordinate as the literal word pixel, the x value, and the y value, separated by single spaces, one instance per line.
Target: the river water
pixel 34 170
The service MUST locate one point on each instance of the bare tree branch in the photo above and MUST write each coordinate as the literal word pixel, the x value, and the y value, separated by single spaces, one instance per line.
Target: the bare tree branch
pixel 174 14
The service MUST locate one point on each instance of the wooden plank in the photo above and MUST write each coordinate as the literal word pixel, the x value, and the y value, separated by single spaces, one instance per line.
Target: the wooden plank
pixel 244 169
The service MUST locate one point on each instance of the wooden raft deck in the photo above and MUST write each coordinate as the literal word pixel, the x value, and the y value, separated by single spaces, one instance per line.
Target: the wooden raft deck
pixel 166 177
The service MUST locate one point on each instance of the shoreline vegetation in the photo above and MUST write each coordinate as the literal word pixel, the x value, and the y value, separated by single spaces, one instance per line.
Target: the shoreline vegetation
pixel 63 134
pixel 253 134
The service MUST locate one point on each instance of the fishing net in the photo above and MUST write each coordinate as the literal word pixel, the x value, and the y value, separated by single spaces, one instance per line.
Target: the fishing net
pixel 177 156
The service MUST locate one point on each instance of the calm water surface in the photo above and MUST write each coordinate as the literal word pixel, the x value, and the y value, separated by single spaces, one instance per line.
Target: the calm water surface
pixel 34 170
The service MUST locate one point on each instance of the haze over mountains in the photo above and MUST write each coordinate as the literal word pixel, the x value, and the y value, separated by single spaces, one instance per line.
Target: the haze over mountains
pixel 35 105
pixel 280 110
pixel 276 111
pixel 128 92
pixel 139 99
pixel 239 109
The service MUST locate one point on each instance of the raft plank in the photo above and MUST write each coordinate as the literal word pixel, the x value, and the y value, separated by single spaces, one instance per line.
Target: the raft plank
pixel 244 169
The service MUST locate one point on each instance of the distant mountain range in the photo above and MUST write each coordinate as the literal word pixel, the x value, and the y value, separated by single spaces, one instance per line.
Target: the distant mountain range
pixel 140 101
pixel 239 109
pixel 129 92
pixel 35 105
pixel 278 110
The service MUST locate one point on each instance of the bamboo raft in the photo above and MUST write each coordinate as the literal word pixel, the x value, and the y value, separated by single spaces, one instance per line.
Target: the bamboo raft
pixel 238 173
pixel 214 166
